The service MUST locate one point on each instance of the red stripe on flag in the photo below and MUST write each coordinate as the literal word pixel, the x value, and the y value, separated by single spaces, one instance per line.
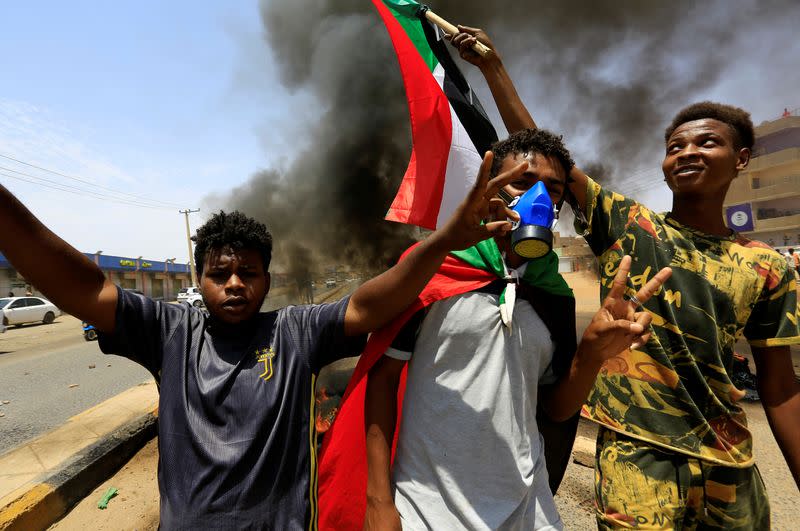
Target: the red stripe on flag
pixel 420 194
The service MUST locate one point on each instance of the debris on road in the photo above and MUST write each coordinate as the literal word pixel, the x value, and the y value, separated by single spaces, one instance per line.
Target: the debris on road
pixel 6 401
pixel 73 385
pixel 110 493
pixel 583 451
pixel 92 366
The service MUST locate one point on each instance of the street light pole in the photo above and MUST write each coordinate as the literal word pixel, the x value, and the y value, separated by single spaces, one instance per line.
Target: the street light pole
pixel 189 242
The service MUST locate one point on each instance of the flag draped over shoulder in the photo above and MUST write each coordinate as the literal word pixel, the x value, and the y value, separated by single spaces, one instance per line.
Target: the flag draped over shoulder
pixel 342 461
pixel 449 128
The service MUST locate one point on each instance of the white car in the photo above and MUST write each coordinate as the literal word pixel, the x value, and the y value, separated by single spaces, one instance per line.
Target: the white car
pixel 21 310
pixel 185 293
pixel 196 300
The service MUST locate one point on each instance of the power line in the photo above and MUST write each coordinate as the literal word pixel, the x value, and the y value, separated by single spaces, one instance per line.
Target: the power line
pixel 77 191
pixel 94 193
pixel 84 181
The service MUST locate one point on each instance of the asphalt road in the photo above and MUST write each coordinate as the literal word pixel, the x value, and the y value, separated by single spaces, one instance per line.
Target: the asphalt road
pixel 46 385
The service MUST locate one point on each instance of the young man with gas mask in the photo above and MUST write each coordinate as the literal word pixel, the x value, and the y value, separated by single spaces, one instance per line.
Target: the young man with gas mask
pixel 481 361
pixel 673 449
pixel 236 410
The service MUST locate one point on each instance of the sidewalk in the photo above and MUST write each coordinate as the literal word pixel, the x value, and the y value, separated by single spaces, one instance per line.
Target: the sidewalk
pixel 35 477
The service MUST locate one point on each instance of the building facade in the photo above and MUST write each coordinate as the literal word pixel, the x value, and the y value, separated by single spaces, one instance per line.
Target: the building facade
pixel 763 203
pixel 159 280
pixel 574 254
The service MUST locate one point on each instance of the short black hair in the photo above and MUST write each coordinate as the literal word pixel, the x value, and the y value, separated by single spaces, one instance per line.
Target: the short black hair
pixel 791 250
pixel 737 119
pixel 234 229
pixel 539 141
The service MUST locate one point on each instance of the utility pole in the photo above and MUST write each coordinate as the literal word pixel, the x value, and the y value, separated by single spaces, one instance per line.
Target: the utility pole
pixel 189 242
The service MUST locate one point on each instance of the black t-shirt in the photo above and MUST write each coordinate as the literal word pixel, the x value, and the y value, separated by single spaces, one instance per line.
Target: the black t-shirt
pixel 237 444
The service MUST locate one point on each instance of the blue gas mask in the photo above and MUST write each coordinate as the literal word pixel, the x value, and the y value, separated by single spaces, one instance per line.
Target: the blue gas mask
pixel 532 236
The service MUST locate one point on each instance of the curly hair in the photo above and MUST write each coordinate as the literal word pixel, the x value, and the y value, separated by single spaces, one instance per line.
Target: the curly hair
pixel 735 118
pixel 234 229
pixel 539 141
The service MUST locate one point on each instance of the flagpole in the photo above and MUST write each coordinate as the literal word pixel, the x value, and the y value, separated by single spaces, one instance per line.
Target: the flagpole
pixel 479 47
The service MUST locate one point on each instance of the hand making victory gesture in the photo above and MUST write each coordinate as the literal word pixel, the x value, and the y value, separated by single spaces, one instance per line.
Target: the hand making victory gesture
pixel 621 322
pixel 466 226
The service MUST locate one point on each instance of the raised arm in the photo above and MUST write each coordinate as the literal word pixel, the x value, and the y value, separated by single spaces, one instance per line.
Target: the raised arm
pixel 514 113
pixel 66 277
pixel 380 419
pixel 381 299
pixel 780 397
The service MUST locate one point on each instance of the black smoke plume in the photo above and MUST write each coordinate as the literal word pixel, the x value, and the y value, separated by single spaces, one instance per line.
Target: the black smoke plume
pixel 608 74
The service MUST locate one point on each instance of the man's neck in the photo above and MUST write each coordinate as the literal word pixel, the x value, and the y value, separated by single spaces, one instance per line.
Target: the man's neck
pixel 702 214
pixel 240 329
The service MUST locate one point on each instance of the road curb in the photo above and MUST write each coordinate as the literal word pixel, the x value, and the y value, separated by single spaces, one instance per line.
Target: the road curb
pixel 51 496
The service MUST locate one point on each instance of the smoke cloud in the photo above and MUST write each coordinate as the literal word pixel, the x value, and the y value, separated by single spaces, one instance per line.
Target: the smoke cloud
pixel 607 74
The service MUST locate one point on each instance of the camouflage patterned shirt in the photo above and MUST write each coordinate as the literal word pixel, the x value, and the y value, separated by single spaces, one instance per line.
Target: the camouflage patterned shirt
pixel 675 391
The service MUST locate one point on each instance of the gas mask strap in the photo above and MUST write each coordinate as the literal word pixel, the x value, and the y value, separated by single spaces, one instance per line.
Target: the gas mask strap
pixel 505 196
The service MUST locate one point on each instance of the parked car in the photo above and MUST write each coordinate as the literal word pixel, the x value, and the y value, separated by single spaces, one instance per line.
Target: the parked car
pixel 185 293
pixel 20 310
pixel 196 300
pixel 330 283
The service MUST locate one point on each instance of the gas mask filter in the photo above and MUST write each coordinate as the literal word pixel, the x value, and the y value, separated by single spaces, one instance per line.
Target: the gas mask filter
pixel 532 237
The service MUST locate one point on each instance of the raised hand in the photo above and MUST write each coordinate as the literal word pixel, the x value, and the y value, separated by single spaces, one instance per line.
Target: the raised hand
pixel 466 38
pixel 621 322
pixel 466 226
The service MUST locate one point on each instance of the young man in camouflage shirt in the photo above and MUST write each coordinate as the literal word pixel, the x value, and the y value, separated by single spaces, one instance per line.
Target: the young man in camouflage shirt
pixel 674 449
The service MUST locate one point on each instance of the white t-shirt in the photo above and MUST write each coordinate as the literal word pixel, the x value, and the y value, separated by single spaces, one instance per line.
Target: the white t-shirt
pixel 789 259
pixel 469 453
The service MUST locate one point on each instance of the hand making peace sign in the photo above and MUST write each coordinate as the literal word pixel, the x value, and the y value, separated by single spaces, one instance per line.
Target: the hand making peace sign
pixel 621 322
pixel 466 226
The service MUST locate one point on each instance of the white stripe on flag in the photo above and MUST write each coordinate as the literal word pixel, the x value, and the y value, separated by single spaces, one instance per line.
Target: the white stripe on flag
pixel 463 162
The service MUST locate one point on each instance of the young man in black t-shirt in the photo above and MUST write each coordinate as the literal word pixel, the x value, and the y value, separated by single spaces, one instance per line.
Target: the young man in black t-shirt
pixel 236 434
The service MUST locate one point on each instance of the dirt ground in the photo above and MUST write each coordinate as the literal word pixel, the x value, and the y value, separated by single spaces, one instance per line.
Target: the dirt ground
pixel 135 507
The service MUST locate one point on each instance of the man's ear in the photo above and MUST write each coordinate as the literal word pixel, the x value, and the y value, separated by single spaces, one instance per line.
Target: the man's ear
pixel 269 281
pixel 743 159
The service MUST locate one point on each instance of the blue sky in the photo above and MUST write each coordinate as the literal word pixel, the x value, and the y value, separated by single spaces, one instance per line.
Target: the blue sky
pixel 158 99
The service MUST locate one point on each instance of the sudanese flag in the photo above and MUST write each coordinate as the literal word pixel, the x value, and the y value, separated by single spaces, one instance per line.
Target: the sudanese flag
pixel 449 128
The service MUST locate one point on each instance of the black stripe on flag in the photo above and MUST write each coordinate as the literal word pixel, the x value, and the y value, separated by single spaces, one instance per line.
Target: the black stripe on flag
pixel 464 101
